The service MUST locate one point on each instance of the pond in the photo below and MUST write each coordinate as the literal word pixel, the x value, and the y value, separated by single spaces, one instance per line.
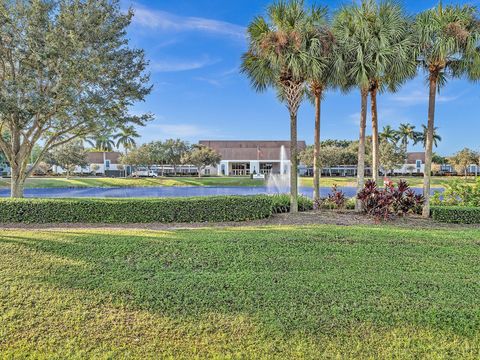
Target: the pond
pixel 167 191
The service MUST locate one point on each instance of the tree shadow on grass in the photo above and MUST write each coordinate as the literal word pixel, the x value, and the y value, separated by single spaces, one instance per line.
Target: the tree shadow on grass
pixel 292 281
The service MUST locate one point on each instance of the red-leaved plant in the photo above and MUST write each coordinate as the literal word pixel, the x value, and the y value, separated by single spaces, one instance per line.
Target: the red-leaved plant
pixel 390 201
pixel 337 198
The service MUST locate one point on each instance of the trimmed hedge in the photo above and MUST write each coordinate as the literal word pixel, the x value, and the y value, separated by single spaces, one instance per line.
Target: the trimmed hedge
pixel 281 203
pixel 456 214
pixel 166 210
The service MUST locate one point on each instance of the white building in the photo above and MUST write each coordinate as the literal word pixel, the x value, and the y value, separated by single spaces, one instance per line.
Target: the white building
pixel 243 158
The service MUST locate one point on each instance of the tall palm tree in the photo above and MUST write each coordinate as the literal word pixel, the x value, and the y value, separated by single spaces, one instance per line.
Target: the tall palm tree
pixel 378 47
pixel 126 138
pixel 321 76
pixel 422 136
pixel 102 142
pixel 447 46
pixel 406 133
pixel 389 134
pixel 352 37
pixel 278 57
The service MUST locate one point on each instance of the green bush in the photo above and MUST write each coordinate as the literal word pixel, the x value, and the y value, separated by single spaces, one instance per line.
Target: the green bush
pixel 459 193
pixel 281 203
pixel 456 214
pixel 195 209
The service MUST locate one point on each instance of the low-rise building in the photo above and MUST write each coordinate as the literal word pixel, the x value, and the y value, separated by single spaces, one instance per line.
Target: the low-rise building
pixel 414 164
pixel 246 157
pixel 99 162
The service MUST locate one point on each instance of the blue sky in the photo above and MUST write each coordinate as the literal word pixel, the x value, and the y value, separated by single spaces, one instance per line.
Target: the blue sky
pixel 194 48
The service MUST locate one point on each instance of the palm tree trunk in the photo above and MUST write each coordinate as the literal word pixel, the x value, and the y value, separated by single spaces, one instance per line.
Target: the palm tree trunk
pixel 429 143
pixel 316 150
pixel 361 148
pixel 294 163
pixel 375 141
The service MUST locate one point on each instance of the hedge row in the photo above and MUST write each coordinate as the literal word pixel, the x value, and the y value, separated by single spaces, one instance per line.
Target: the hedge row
pixel 166 210
pixel 456 214
pixel 281 203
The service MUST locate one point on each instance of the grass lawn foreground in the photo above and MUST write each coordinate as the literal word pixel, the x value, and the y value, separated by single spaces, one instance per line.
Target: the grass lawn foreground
pixel 303 292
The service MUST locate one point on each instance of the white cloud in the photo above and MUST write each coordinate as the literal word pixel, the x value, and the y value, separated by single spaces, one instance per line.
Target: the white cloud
pixel 184 131
pixel 181 65
pixel 211 81
pixel 417 97
pixel 156 19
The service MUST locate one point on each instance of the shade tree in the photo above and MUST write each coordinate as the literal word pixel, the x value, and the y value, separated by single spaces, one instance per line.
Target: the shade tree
pixel 67 71
pixel 201 156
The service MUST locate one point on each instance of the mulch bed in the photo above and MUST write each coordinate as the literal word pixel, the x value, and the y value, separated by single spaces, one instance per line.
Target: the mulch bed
pixel 327 217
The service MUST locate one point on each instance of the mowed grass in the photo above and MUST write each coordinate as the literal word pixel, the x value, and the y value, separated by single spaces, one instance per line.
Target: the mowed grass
pixel 80 182
pixel 413 181
pixel 267 292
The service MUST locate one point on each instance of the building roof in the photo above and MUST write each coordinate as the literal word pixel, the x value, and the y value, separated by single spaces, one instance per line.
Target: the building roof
pixel 412 157
pixel 249 150
pixel 96 157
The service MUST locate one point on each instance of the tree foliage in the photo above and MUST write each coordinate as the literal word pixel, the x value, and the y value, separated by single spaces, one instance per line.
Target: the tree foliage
pixel 66 71
pixel 463 159
pixel 68 156
pixel 392 156
pixel 201 156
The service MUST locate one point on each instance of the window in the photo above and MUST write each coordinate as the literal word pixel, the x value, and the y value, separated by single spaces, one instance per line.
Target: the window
pixel 266 168
pixel 107 164
pixel 419 164
pixel 240 169
pixel 207 171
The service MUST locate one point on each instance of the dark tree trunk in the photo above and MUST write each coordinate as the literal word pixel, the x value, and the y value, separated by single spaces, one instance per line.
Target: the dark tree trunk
pixel 361 148
pixel 17 182
pixel 316 151
pixel 429 143
pixel 375 140
pixel 294 164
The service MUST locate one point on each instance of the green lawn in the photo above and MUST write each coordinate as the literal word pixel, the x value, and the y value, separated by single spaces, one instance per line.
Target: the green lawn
pixel 195 181
pixel 120 182
pixel 303 292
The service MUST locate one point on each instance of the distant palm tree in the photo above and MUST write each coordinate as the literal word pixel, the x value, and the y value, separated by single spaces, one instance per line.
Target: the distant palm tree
pixel 389 134
pixel 278 57
pixel 422 136
pixel 447 46
pixel 406 133
pixel 126 138
pixel 102 142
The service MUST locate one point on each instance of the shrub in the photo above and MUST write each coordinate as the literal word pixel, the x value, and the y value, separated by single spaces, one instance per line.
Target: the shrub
pixel 390 201
pixel 196 209
pixel 456 214
pixel 458 193
pixel 281 203
pixel 336 200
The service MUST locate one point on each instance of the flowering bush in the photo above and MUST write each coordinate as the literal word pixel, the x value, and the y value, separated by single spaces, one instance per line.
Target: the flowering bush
pixel 390 201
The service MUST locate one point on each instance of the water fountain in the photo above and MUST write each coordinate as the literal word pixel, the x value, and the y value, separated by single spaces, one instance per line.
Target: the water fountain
pixel 280 183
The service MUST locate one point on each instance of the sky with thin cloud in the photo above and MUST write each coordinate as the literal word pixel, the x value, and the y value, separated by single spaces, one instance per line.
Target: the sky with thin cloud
pixel 194 49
